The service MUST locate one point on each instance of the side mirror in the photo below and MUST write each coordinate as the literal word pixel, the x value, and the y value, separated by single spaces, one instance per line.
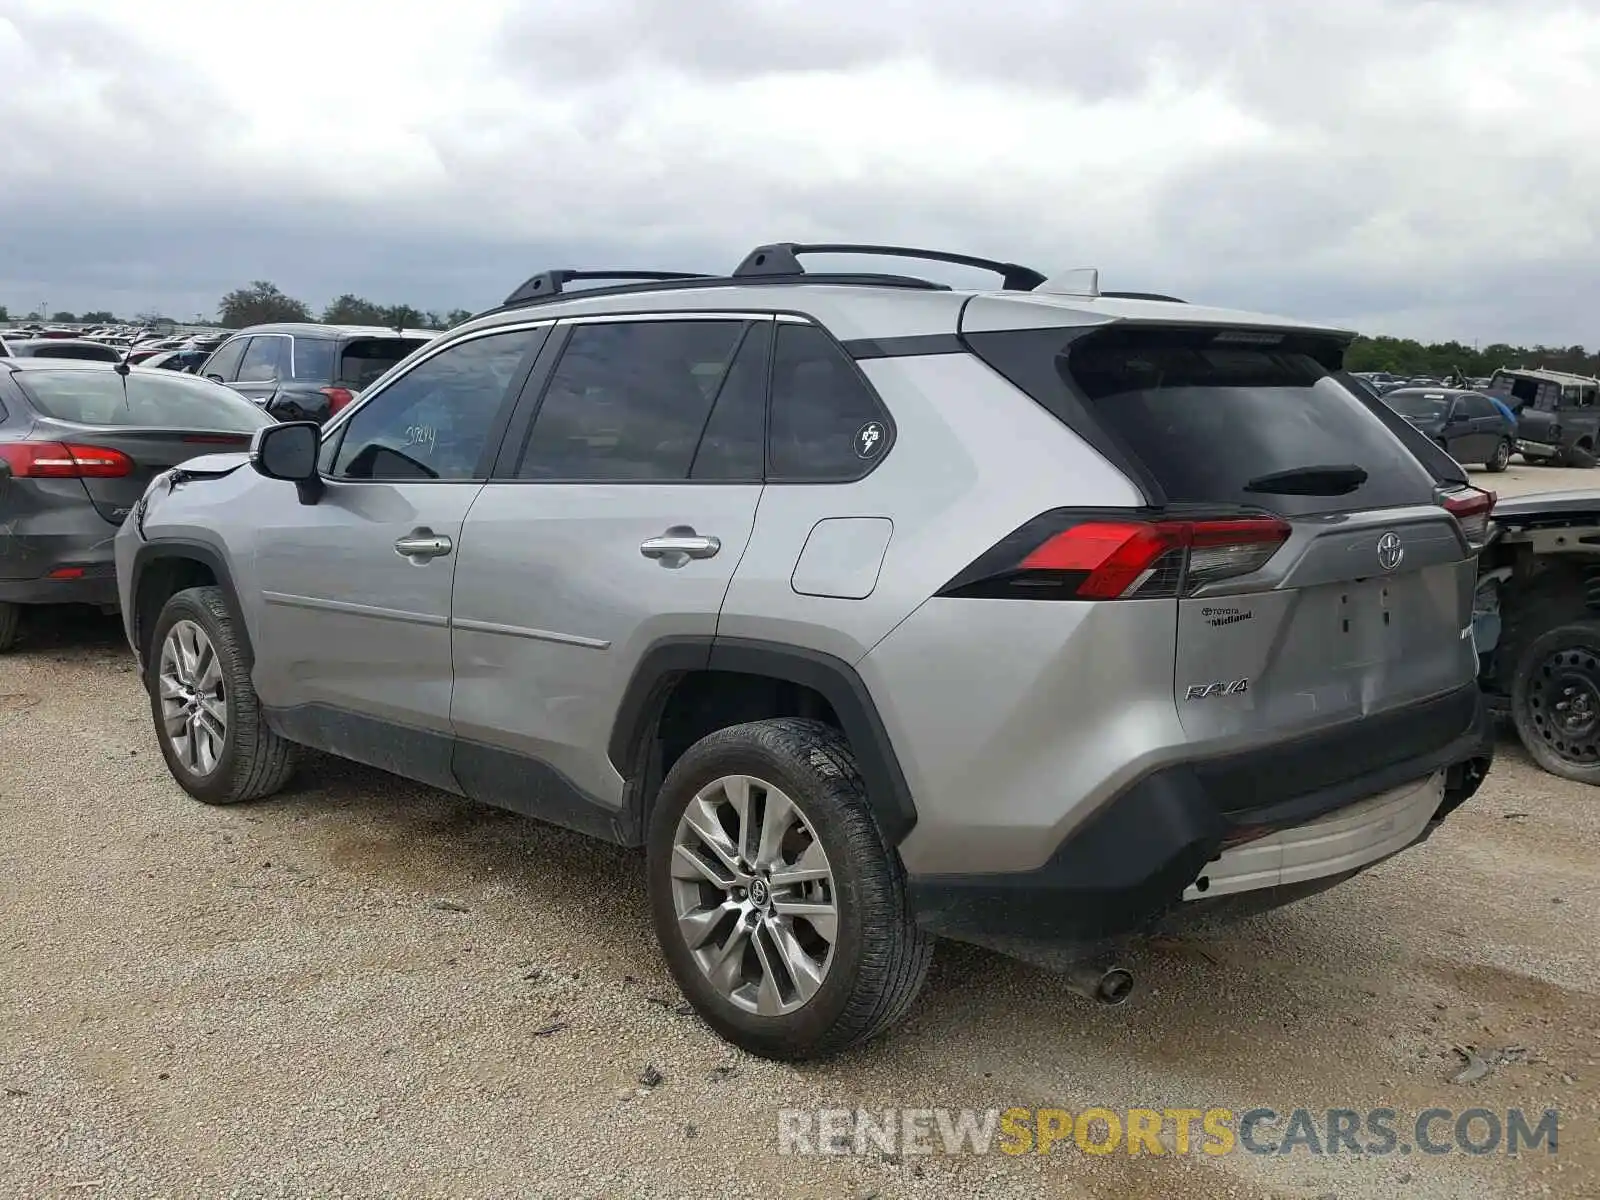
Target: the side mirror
pixel 289 452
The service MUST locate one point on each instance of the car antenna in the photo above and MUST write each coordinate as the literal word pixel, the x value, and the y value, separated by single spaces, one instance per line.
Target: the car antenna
pixel 124 367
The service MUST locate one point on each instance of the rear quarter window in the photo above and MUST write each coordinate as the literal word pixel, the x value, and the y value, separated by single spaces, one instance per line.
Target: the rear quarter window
pixel 313 360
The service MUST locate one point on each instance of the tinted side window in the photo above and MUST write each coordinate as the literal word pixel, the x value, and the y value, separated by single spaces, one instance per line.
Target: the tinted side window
pixel 266 359
pixel 826 423
pixel 313 359
pixel 434 421
pixel 225 362
pixel 629 400
pixel 731 447
pixel 1477 406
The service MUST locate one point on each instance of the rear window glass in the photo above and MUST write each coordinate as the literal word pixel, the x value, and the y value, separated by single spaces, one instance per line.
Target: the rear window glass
pixel 1207 418
pixel 366 359
pixel 91 353
pixel 1421 405
pixel 157 401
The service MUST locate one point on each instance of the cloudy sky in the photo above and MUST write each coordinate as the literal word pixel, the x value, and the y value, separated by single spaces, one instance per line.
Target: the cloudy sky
pixel 1422 168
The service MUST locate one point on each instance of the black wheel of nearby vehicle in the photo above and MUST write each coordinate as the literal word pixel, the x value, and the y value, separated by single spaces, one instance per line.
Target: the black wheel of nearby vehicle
pixel 1555 700
pixel 780 910
pixel 207 718
pixel 10 618
pixel 1501 458
pixel 1581 455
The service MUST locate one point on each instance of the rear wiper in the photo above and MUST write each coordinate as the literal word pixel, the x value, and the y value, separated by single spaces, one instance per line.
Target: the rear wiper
pixel 1310 481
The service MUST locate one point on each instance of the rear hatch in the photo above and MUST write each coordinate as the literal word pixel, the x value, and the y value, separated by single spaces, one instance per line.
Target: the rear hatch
pixel 1346 590
pixel 117 433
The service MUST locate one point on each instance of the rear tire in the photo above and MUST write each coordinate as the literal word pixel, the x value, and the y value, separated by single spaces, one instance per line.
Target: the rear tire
pixel 1555 701
pixel 10 618
pixel 1580 456
pixel 733 965
pixel 1501 458
pixel 207 718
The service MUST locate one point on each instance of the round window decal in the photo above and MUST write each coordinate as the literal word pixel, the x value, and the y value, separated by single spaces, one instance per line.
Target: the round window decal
pixel 869 440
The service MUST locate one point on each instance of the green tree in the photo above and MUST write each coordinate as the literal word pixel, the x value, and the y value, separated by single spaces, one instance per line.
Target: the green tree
pixel 456 316
pixel 99 316
pixel 63 317
pixel 4 315
pixel 401 316
pixel 259 303
pixel 350 309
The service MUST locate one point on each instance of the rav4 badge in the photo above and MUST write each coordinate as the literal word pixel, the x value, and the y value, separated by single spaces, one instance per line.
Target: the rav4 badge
pixel 1209 691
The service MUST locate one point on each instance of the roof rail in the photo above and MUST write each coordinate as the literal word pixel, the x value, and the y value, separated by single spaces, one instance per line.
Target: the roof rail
pixel 551 283
pixel 782 258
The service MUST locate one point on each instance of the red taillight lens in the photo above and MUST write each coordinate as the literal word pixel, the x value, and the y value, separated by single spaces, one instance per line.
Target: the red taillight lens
pixel 338 397
pixel 1058 557
pixel 60 460
pixel 1471 507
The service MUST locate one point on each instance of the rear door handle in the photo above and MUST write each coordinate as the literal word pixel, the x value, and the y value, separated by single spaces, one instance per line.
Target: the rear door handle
pixel 678 545
pixel 422 545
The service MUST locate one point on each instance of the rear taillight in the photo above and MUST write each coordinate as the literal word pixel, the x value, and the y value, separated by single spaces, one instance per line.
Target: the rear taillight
pixel 1471 507
pixel 63 460
pixel 1063 556
pixel 338 397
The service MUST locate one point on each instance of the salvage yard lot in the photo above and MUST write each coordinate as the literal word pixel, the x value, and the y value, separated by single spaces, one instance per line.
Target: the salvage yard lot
pixel 367 987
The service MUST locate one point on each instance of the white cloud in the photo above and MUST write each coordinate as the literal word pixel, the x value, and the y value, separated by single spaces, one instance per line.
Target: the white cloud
pixel 1409 166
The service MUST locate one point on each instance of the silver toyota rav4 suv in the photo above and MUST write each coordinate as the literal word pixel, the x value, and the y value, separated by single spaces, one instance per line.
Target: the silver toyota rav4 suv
pixel 873 610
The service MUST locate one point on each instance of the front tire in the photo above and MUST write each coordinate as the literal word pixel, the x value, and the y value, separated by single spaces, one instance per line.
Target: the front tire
pixel 207 718
pixel 1501 459
pixel 10 618
pixel 1555 701
pixel 780 911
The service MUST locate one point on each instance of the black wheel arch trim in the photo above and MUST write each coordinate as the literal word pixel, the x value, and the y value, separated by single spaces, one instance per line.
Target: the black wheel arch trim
pixel 160 549
pixel 668 660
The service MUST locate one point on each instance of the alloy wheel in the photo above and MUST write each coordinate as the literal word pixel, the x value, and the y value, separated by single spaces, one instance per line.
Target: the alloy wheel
pixel 194 710
pixel 754 895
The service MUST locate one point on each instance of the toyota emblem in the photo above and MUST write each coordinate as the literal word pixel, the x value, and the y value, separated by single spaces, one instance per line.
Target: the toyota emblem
pixel 1390 551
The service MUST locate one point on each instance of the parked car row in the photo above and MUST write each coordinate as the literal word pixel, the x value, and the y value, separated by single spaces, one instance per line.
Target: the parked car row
pixel 1549 417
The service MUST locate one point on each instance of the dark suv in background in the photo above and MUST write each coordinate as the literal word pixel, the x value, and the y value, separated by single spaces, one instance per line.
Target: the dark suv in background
pixel 304 372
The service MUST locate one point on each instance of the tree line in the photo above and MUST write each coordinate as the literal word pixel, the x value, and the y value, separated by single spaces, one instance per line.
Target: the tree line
pixel 263 301
pixel 1403 356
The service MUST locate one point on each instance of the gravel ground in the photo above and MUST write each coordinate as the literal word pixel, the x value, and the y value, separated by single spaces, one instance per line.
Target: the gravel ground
pixel 364 987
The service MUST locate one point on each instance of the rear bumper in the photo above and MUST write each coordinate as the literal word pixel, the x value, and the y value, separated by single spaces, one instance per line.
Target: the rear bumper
pixel 1537 449
pixel 1372 788
pixel 70 568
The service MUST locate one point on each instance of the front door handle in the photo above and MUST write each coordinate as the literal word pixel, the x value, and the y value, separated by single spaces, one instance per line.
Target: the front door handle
pixel 422 545
pixel 678 545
